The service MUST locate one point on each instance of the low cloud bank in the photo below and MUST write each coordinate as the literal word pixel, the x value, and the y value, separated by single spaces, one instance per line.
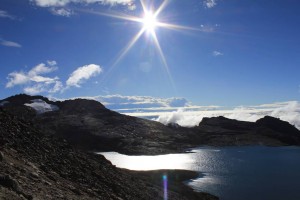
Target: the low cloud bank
pixel 180 111
pixel 119 102
pixel 287 111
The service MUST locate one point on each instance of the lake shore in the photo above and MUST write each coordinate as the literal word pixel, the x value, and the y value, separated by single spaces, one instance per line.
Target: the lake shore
pixel 175 180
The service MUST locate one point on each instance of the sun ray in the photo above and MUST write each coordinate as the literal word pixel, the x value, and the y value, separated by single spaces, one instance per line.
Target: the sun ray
pixel 129 46
pixel 150 21
pixel 161 7
pixel 123 52
pixel 111 14
pixel 178 27
pixel 163 58
pixel 143 5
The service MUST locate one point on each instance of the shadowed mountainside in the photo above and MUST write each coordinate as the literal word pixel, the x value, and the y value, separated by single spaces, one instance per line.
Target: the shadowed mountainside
pixel 90 126
pixel 38 166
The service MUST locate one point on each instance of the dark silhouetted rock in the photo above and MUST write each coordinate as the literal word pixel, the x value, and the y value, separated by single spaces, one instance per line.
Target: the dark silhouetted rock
pixel 1 156
pixel 7 181
pixel 42 166
pixel 88 125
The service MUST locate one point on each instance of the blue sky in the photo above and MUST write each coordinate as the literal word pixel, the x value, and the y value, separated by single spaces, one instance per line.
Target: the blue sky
pixel 221 52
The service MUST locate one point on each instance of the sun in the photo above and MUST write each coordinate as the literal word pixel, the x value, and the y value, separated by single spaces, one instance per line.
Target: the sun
pixel 149 21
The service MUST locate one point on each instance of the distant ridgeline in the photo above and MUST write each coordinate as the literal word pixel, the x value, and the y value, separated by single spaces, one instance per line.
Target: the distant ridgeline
pixel 88 125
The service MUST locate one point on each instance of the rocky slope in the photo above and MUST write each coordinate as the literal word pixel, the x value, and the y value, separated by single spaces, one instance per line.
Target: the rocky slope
pixel 34 165
pixel 220 131
pixel 89 125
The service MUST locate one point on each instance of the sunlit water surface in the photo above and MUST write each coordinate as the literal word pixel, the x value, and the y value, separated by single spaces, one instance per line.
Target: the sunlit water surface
pixel 232 173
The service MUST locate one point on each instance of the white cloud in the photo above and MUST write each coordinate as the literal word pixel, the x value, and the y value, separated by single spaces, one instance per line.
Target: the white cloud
pixel 5 14
pixel 41 69
pixel 42 79
pixel 185 114
pixel 33 81
pixel 208 28
pixel 60 3
pixel 51 62
pixel 287 111
pixel 35 89
pixel 83 73
pixel 17 78
pixel 61 12
pixel 58 7
pixel 58 86
pixel 217 53
pixel 118 102
pixel 10 43
pixel 210 3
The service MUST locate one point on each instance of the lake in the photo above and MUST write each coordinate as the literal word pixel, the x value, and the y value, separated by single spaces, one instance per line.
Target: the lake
pixel 232 173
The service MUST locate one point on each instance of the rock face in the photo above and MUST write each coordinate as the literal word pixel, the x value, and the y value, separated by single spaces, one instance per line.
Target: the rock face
pixel 220 131
pixel 87 124
pixel 39 166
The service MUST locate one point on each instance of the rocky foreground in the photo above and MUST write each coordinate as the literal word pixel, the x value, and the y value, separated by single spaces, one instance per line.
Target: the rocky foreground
pixel 38 166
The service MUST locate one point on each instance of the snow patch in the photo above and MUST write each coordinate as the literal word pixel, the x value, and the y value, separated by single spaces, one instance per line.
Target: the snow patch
pixel 41 106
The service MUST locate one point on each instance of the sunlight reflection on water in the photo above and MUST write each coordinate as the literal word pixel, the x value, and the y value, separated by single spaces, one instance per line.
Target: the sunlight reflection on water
pixel 169 161
pixel 229 172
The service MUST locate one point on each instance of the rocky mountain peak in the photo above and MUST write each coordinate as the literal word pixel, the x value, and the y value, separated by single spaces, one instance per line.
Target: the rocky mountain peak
pixel 277 125
pixel 81 106
pixel 21 99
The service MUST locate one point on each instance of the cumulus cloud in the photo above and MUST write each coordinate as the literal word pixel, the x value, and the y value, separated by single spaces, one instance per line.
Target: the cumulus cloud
pixel 210 3
pixel 35 89
pixel 59 7
pixel 83 73
pixel 61 12
pixel 10 43
pixel 17 78
pixel 34 81
pixel 5 14
pixel 51 62
pixel 41 69
pixel 58 86
pixel 61 3
pixel 217 53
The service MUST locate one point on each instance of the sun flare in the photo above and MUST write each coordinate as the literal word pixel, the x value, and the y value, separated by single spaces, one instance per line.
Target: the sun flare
pixel 149 21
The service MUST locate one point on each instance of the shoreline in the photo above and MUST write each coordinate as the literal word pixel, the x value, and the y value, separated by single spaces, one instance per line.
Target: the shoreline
pixel 186 150
pixel 176 180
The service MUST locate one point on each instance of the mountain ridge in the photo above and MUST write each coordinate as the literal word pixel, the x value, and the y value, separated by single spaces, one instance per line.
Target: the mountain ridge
pixel 87 124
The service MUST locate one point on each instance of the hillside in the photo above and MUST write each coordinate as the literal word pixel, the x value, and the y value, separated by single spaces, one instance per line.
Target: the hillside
pixel 87 124
pixel 36 166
